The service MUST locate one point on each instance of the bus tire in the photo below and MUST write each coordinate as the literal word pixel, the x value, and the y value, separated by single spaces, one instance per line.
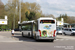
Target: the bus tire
pixel 29 35
pixel 35 37
pixel 23 35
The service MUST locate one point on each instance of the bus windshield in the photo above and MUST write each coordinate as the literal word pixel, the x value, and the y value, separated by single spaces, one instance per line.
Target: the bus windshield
pixel 47 21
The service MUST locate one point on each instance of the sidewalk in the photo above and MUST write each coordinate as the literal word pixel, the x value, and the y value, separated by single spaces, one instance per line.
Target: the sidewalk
pixel 8 39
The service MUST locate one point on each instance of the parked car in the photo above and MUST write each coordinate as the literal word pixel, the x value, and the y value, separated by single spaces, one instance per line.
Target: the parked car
pixel 69 31
pixel 59 30
pixel 16 30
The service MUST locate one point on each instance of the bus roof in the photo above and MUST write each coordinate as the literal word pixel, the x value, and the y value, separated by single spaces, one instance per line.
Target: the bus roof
pixel 24 22
pixel 33 21
pixel 45 18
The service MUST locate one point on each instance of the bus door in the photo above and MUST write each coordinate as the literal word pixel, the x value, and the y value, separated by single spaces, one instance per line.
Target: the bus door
pixel 34 29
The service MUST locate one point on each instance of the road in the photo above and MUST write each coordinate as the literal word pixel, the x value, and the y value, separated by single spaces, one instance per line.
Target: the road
pixel 23 43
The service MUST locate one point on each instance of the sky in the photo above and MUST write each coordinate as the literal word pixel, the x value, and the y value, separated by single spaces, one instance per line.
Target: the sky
pixel 55 7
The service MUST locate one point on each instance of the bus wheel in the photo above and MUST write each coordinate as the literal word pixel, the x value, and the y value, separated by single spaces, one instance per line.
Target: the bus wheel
pixel 23 35
pixel 28 34
pixel 35 38
pixel 52 40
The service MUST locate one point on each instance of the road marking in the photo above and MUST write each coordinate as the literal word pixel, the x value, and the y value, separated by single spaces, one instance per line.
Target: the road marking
pixel 67 39
pixel 56 39
pixel 11 41
pixel 61 39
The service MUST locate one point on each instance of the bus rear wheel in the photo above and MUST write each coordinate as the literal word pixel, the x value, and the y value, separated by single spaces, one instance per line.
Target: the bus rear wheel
pixel 29 35
pixel 23 35
pixel 35 37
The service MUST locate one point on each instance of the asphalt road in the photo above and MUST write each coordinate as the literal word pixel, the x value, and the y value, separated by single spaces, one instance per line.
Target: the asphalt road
pixel 61 43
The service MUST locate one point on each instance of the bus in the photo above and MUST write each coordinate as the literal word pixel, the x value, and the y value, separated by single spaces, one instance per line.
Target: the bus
pixel 27 28
pixel 41 29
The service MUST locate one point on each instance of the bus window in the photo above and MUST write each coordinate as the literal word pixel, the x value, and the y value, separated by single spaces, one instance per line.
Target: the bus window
pixel 26 27
pixel 47 21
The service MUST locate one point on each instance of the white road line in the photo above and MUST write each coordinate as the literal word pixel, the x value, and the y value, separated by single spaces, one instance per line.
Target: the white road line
pixel 11 41
pixel 61 39
pixel 67 39
pixel 72 39
pixel 56 39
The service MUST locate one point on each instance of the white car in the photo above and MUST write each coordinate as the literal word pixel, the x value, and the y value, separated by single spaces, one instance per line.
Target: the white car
pixel 69 31
pixel 59 30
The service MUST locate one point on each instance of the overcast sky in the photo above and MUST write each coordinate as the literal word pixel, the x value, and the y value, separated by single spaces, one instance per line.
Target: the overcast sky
pixel 55 7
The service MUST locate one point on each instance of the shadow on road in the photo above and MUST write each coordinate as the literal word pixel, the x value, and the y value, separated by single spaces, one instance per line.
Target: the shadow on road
pixel 17 34
pixel 27 39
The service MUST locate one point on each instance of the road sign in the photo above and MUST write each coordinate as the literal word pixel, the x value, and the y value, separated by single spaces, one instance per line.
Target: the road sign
pixel 59 23
pixel 3 21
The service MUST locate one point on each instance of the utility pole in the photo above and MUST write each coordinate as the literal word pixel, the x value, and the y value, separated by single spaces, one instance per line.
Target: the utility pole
pixel 15 14
pixel 14 21
pixel 20 11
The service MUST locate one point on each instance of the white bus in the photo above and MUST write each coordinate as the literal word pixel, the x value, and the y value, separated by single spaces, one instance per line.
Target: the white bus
pixel 27 28
pixel 42 29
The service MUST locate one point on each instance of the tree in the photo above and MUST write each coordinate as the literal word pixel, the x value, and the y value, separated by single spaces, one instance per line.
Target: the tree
pixel 12 13
pixel 29 11
pixel 49 15
pixel 31 16
pixel 33 8
pixel 67 19
pixel 2 14
pixel 2 10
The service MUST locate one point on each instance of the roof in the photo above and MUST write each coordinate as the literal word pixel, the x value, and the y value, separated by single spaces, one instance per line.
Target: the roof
pixel 28 22
pixel 66 24
pixel 72 24
pixel 69 28
pixel 45 18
